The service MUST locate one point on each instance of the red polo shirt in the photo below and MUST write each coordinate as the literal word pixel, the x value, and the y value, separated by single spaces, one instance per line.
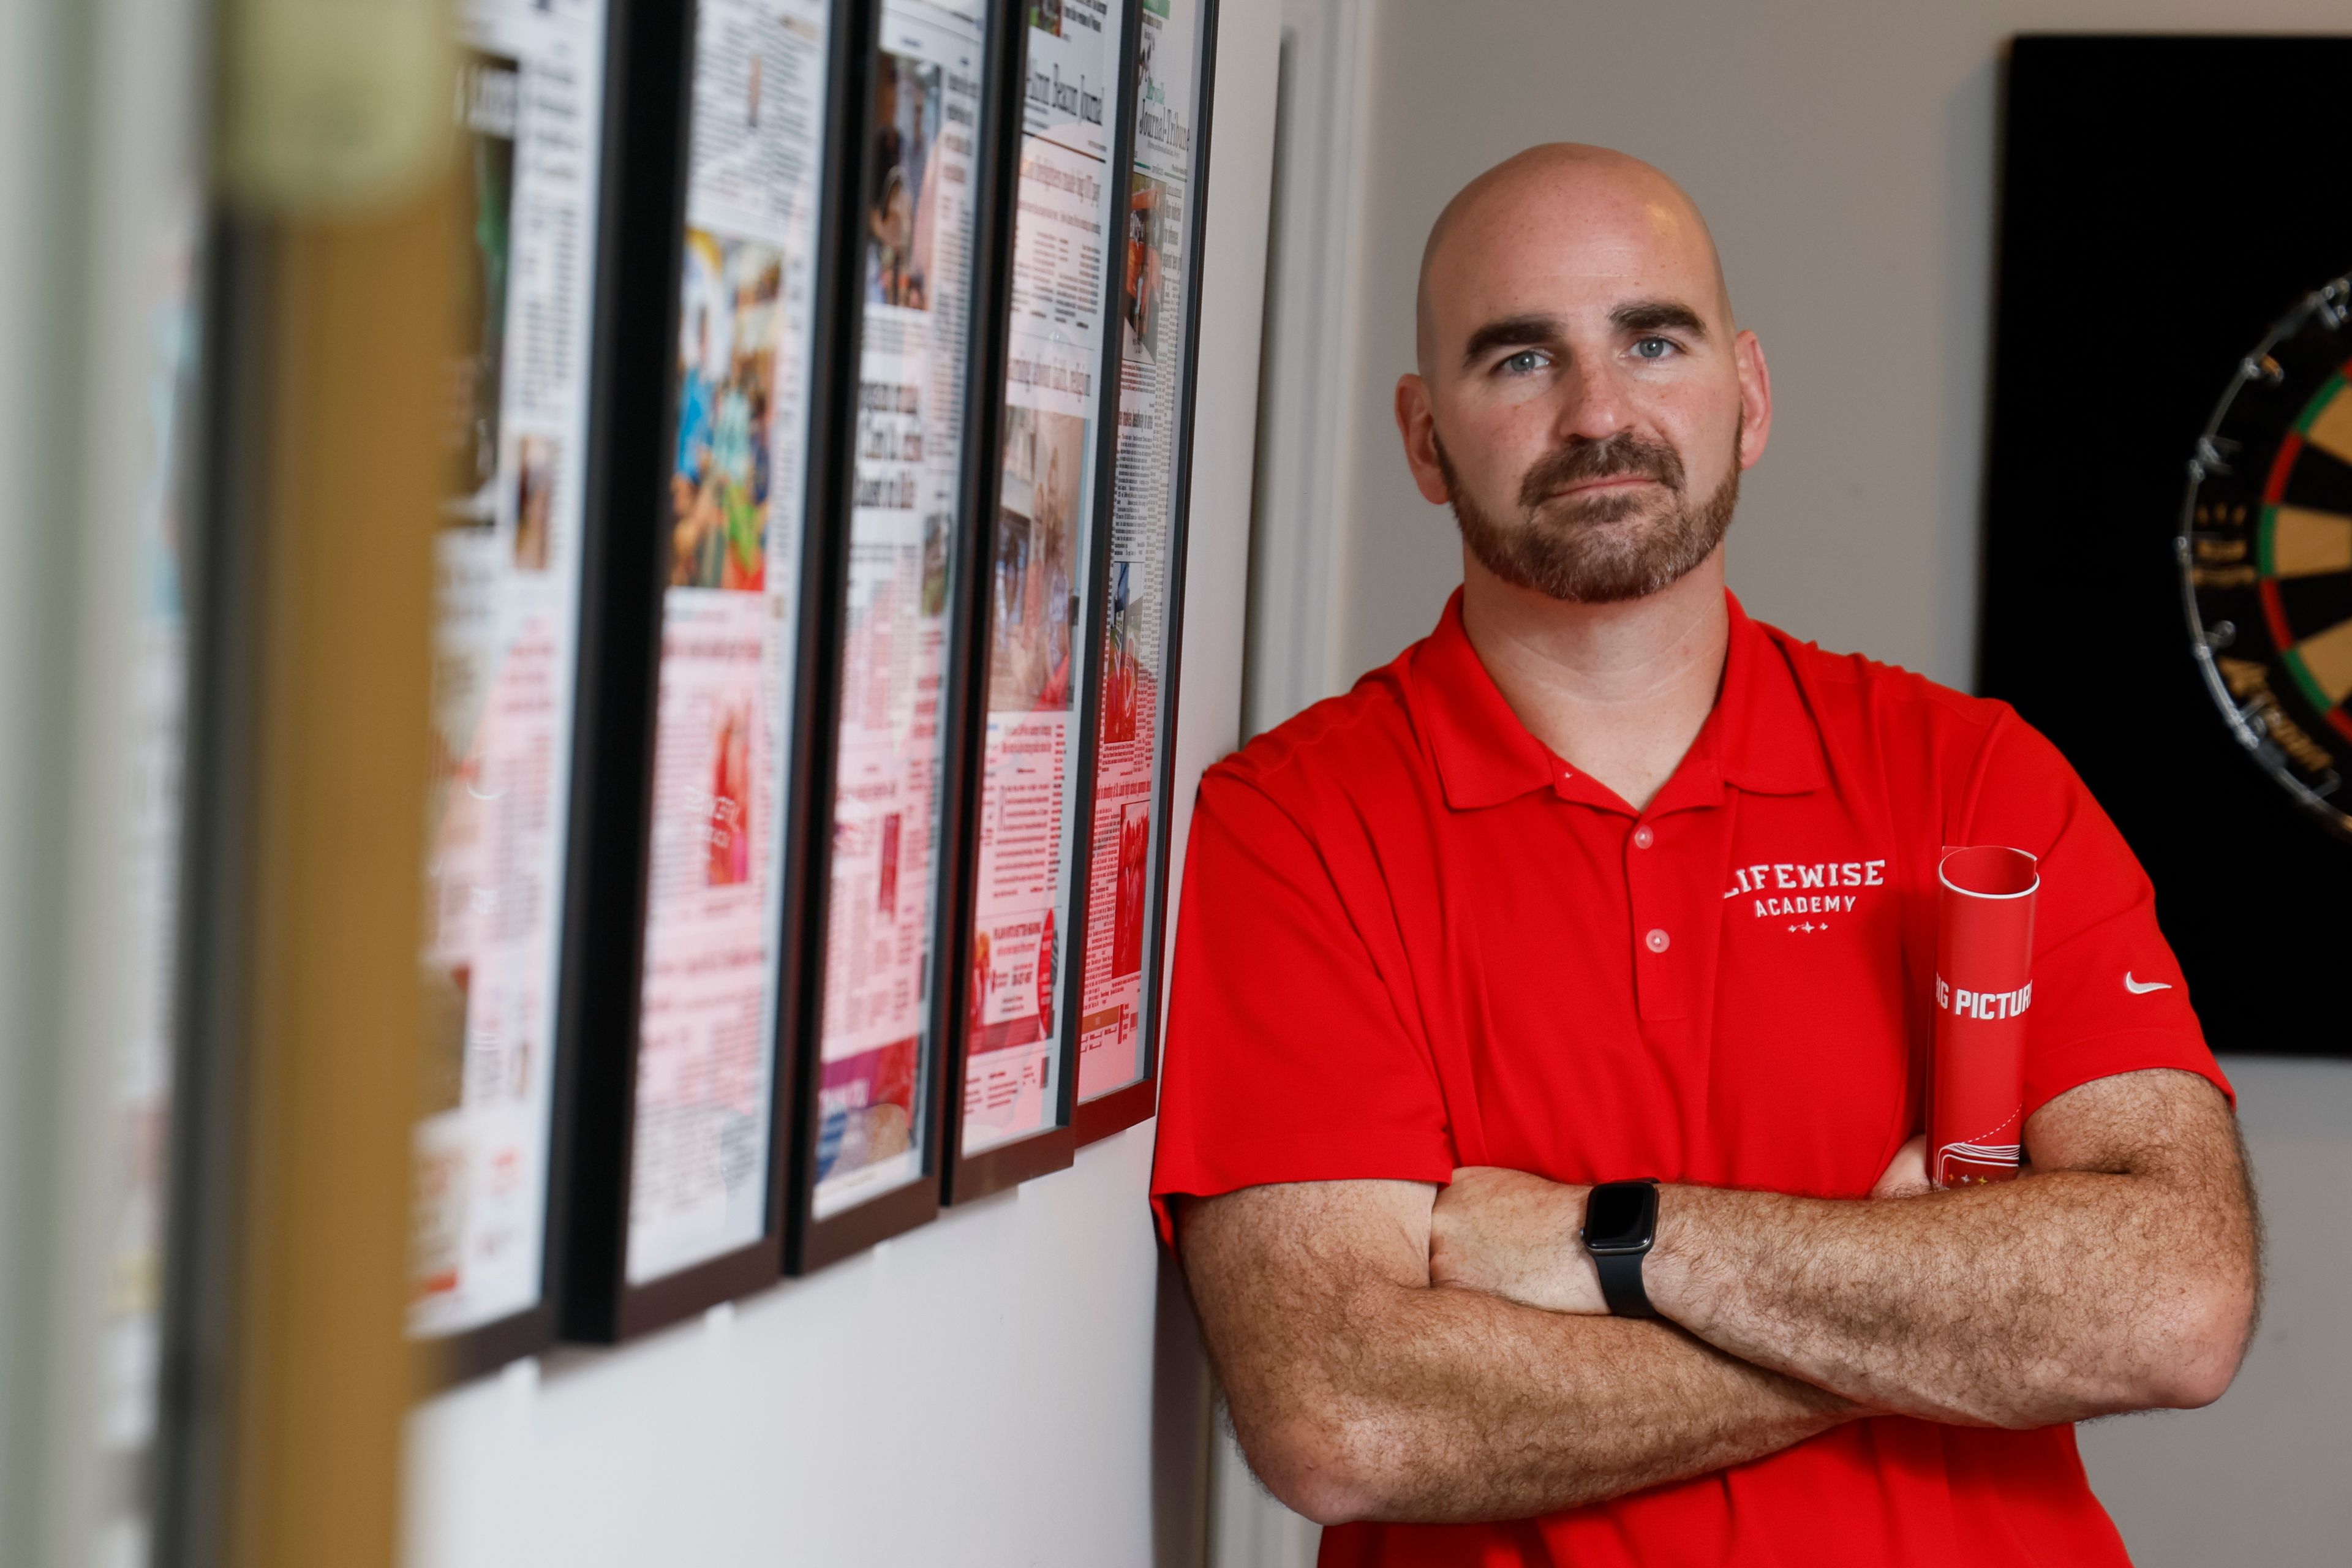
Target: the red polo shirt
pixel 1412 939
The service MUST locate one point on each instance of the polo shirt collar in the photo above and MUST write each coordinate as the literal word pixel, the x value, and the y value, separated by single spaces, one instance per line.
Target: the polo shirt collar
pixel 1760 736
pixel 1764 731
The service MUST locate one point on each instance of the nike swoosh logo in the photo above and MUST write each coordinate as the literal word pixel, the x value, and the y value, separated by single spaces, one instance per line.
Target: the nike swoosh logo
pixel 2142 987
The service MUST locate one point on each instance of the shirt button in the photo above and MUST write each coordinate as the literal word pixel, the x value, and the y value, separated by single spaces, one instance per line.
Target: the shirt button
pixel 1643 838
pixel 1657 939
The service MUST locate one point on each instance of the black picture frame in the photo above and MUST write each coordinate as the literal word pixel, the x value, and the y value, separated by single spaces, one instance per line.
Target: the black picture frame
pixel 813 1242
pixel 969 1176
pixel 2194 233
pixel 446 1360
pixel 599 1303
pixel 1125 1107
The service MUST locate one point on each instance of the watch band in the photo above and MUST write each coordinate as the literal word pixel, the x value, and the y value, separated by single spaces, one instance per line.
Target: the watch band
pixel 1625 1239
pixel 1621 1284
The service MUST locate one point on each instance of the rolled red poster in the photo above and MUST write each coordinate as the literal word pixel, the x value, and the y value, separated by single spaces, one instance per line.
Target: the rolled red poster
pixel 1984 986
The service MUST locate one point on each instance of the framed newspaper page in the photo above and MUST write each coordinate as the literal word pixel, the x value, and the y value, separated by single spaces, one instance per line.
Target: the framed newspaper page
pixel 918 260
pixel 1142 581
pixel 678 1195
pixel 1034 611
pixel 532 116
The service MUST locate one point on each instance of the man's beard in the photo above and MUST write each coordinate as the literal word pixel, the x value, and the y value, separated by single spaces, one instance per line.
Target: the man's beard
pixel 1594 549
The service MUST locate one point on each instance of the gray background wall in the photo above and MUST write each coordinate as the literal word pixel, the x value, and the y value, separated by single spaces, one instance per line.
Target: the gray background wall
pixel 2266 1476
pixel 1843 151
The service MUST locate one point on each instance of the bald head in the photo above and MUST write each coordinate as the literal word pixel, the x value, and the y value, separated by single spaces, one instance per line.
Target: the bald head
pixel 1562 203
pixel 1584 400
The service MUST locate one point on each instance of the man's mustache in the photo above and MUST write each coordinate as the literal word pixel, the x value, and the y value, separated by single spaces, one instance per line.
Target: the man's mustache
pixel 1625 455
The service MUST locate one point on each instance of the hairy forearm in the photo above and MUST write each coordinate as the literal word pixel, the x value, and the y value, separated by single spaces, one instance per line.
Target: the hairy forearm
pixel 1443 1405
pixel 1360 1390
pixel 2052 1297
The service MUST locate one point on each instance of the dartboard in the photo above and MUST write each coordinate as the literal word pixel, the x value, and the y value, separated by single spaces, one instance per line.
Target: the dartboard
pixel 2265 551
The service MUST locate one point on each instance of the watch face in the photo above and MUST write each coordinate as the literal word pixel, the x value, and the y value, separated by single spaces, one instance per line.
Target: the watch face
pixel 1620 1215
pixel 2265 551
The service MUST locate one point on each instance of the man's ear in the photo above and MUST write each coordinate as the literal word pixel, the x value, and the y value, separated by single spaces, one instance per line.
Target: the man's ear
pixel 1417 424
pixel 1754 397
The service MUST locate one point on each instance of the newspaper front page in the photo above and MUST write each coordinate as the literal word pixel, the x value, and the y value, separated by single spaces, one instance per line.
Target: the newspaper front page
pixel 528 114
pixel 1063 235
pixel 916 210
pixel 1131 758
pixel 705 1121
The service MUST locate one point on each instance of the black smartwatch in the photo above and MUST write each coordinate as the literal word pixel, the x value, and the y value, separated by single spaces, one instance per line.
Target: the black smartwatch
pixel 1620 1221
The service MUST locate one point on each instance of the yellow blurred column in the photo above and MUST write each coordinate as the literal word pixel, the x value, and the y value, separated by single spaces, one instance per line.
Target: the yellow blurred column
pixel 323 1375
pixel 331 123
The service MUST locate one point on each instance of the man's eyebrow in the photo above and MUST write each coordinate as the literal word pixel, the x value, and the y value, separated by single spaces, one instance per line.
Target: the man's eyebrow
pixel 1510 331
pixel 1658 316
pixel 1641 316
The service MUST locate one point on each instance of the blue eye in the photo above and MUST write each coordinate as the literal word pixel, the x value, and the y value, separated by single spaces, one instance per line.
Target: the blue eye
pixel 1652 348
pixel 1524 360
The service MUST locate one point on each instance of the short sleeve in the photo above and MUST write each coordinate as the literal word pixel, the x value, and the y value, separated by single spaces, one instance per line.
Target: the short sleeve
pixel 2108 996
pixel 1287 1057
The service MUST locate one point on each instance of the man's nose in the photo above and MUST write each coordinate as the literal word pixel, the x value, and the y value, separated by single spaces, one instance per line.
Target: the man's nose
pixel 1593 405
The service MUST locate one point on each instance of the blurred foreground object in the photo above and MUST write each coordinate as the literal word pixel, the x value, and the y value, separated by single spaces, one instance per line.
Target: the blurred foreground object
pixel 333 336
pixel 220 433
pixel 334 105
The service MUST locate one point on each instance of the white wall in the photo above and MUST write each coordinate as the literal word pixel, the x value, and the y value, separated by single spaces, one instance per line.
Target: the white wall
pixel 978 1392
pixel 1014 1384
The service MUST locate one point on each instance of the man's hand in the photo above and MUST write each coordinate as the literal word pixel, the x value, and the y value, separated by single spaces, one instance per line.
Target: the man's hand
pixel 1905 1175
pixel 1522 1237
pixel 1515 1235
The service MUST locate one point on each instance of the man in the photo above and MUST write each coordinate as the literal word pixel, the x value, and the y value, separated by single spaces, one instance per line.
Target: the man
pixel 1526 911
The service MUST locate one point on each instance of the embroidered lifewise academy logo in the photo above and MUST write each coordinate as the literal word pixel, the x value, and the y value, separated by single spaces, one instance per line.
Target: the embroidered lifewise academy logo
pixel 1803 892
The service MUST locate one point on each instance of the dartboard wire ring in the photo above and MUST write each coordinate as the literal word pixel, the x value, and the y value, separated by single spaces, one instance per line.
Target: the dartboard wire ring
pixel 2330 303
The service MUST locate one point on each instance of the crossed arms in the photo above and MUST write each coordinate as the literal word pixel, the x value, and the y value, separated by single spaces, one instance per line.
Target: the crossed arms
pixel 1393 1351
